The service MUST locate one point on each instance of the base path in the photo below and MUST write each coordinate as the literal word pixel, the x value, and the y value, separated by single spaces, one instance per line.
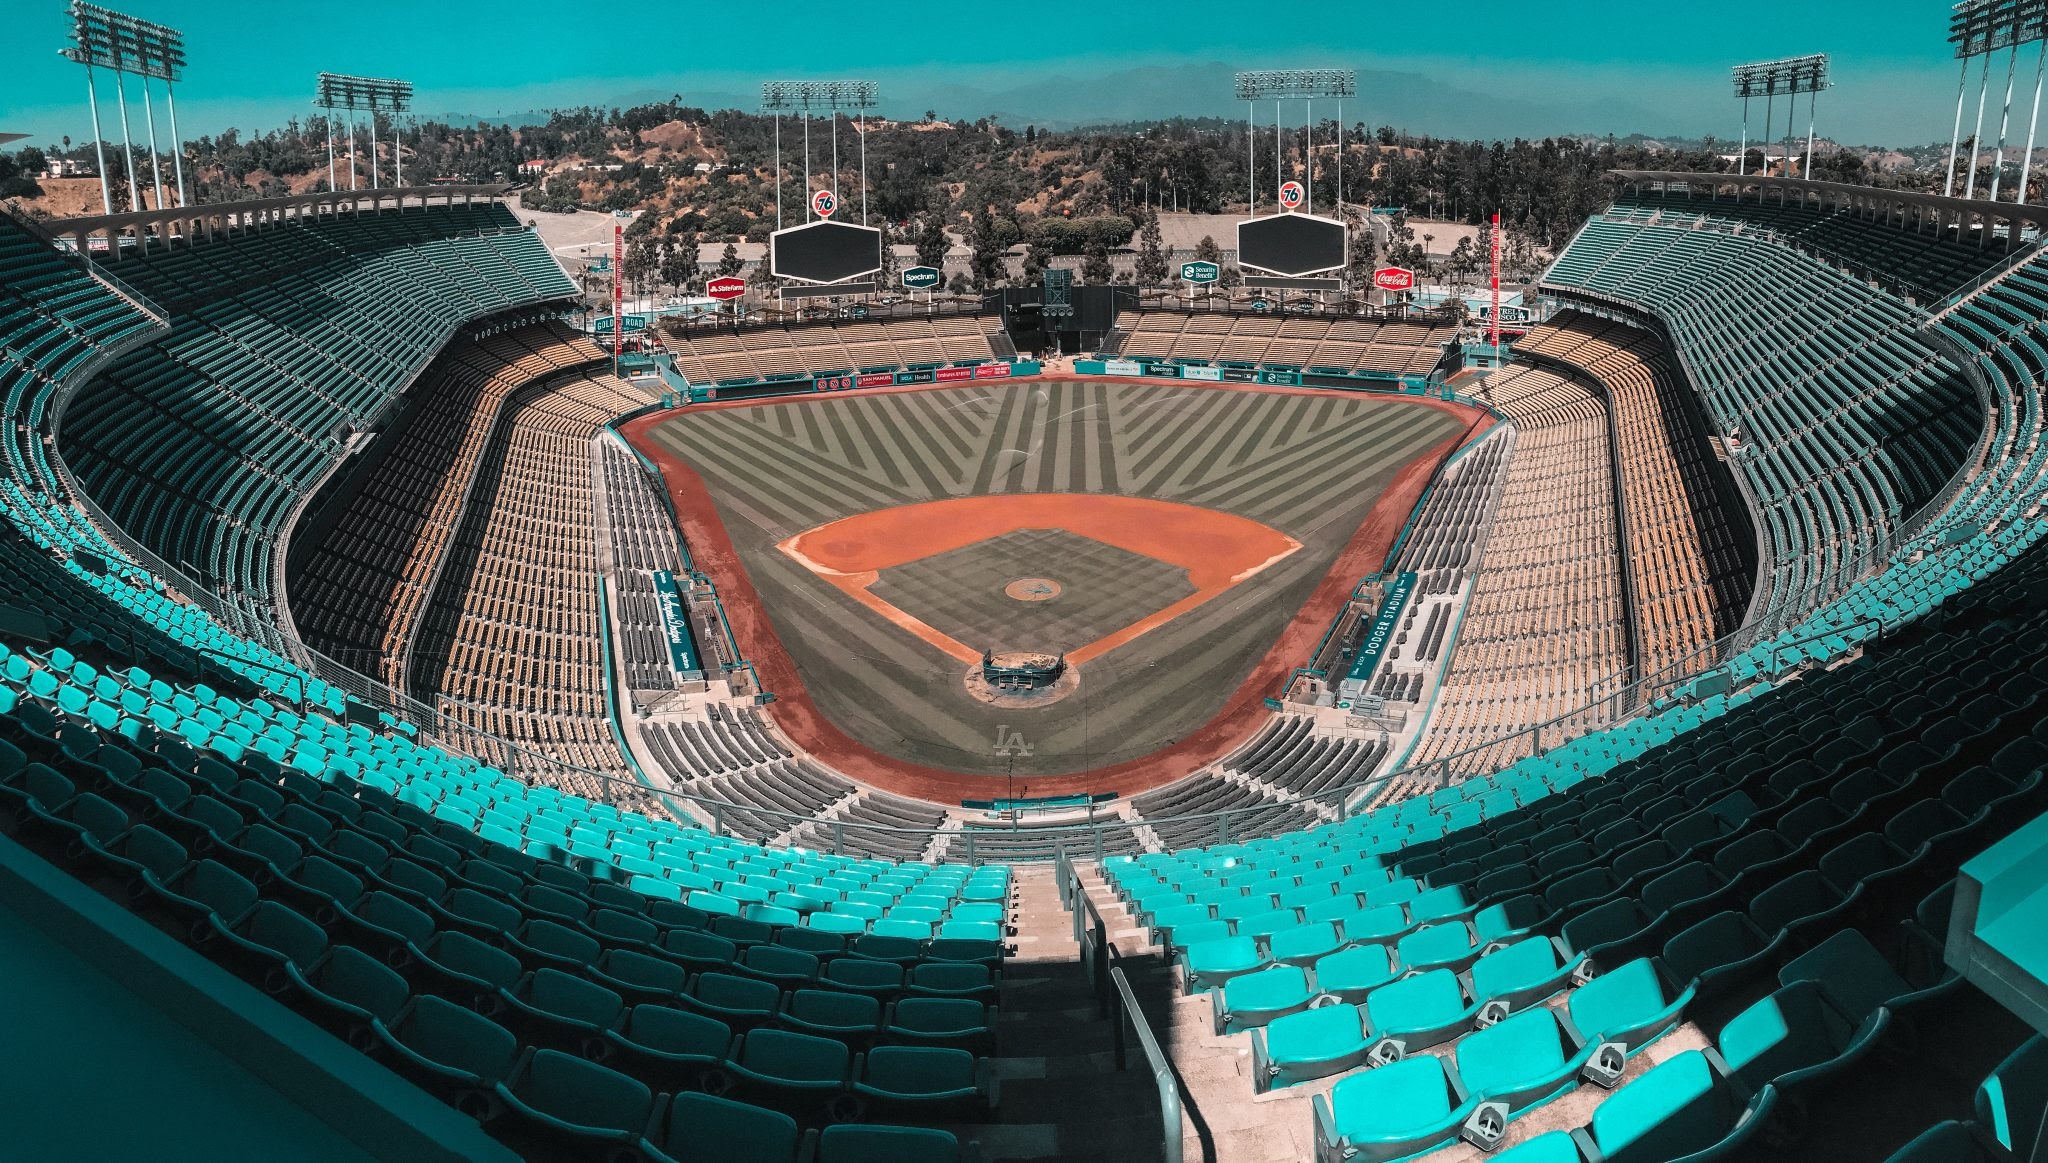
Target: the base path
pixel 712 551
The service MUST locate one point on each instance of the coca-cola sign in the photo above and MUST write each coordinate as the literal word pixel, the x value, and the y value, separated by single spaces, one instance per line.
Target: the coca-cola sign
pixel 1394 279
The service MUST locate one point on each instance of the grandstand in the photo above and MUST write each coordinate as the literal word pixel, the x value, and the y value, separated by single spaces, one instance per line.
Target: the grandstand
pixel 1338 346
pixel 340 716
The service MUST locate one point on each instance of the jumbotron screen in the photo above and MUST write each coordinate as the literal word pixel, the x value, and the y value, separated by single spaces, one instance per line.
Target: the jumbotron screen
pixel 824 252
pixel 1290 244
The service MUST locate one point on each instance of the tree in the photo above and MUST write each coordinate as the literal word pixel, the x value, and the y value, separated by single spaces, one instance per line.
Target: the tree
pixel 1036 259
pixel 640 260
pixel 985 263
pixel 1363 258
pixel 1095 265
pixel 1207 250
pixel 887 277
pixel 679 267
pixel 931 243
pixel 730 263
pixel 1150 269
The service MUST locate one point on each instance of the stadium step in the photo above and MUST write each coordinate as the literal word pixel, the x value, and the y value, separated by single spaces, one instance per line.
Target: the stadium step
pixel 1062 1096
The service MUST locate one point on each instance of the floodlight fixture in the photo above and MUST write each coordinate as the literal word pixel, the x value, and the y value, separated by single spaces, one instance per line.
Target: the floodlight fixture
pixel 1790 77
pixel 376 95
pixel 1979 29
pixel 123 44
pixel 802 98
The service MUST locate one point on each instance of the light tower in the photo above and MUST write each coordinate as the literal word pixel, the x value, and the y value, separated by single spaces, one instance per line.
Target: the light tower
pixel 124 44
pixel 375 94
pixel 1791 76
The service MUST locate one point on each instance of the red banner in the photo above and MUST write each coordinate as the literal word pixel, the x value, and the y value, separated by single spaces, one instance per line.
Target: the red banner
pixel 954 373
pixel 992 371
pixel 1394 279
pixel 726 288
pixel 879 380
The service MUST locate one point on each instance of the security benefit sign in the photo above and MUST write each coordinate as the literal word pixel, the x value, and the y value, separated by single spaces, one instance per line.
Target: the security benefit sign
pixel 675 627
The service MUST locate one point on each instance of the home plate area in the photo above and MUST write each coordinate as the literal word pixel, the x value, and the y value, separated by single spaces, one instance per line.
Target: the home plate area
pixel 964 594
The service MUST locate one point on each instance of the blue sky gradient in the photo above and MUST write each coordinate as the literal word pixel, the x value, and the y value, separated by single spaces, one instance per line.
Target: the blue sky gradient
pixel 1576 66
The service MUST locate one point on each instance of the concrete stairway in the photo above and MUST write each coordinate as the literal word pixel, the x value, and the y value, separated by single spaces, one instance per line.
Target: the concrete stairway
pixel 1061 1094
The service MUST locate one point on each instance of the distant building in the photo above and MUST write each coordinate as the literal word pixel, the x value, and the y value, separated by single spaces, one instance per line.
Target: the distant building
pixel 536 166
pixel 58 167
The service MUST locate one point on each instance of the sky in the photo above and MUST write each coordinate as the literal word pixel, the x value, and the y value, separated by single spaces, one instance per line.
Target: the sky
pixel 1477 68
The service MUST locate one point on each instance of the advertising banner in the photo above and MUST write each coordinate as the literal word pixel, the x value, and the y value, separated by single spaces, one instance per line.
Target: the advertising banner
pixel 675 626
pixel 1123 367
pixel 1191 372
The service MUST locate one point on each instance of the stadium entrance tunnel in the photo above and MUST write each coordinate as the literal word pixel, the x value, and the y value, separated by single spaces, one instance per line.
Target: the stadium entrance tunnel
pixel 1182 548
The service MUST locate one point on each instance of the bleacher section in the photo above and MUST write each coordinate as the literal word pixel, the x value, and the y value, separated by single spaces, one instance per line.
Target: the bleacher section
pixel 1926 266
pixel 285 340
pixel 1531 937
pixel 1544 626
pixel 1842 417
pixel 511 642
pixel 1714 926
pixel 706 356
pixel 359 594
pixel 1688 575
pixel 642 540
pixel 1294 342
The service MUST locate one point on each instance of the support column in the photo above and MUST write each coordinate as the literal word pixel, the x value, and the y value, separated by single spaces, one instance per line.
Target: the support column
pixel 1770 127
pixel 1308 202
pixel 374 184
pixel 177 143
pixel 329 118
pixel 1812 113
pixel 1251 157
pixel 807 166
pixel 2034 123
pixel 778 169
pixel 863 130
pixel 397 161
pixel 127 146
pixel 1977 134
pixel 2012 60
pixel 99 146
pixel 351 150
pixel 1742 159
pixel 1340 165
pixel 156 165
pixel 1955 143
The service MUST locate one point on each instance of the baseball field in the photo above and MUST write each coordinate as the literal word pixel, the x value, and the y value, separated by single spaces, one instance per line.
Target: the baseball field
pixel 1181 546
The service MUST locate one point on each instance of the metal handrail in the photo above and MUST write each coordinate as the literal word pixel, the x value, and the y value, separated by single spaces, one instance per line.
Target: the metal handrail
pixel 1162 1069
pixel 1115 1000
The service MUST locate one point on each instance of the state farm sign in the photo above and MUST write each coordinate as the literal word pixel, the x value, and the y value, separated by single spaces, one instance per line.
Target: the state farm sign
pixel 1394 279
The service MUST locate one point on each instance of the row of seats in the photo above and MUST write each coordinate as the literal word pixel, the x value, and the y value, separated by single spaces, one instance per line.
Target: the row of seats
pixel 1295 342
pixel 511 643
pixel 724 356
pixel 1931 266
pixel 561 982
pixel 1689 575
pixel 1842 417
pixel 1590 901
pixel 285 340
pixel 1544 627
pixel 642 540
pixel 359 592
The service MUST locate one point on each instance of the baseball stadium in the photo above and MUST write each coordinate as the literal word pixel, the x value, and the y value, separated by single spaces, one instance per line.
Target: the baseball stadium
pixel 1020 652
